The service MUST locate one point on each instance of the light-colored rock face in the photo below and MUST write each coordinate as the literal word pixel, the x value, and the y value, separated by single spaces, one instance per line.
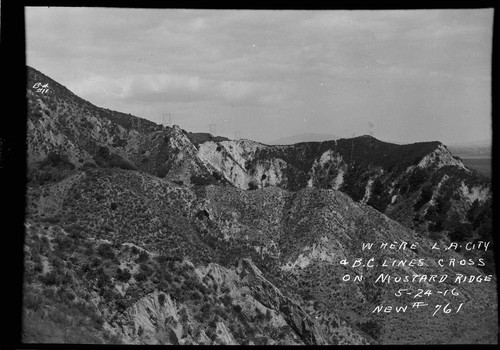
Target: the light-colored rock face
pixel 181 141
pixel 339 179
pixel 439 158
pixel 218 274
pixel 230 158
pixel 479 193
pixel 243 149
pixel 468 194
pixel 154 319
pixel 394 198
pixel 184 161
pixel 328 249
pixel 435 160
pixel 251 290
pixel 227 159
pixel 270 172
pixel 271 297
pixel 368 191
pixel 435 193
pixel 327 156
pixel 335 162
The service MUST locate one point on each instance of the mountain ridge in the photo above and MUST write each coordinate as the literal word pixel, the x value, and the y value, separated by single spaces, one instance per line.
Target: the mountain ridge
pixel 304 137
pixel 361 167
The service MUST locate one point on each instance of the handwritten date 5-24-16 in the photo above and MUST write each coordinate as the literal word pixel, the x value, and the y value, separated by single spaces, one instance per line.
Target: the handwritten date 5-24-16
pixel 419 293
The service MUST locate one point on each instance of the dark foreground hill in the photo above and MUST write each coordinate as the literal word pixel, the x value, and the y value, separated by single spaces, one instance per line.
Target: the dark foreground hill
pixel 140 233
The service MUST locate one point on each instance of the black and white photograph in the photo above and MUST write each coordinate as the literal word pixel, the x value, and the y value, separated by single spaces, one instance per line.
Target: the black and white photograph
pixel 258 177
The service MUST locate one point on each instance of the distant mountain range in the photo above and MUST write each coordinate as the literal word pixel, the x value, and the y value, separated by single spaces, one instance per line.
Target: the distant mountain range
pixel 479 149
pixel 316 137
pixel 138 233
pixel 478 143
pixel 305 137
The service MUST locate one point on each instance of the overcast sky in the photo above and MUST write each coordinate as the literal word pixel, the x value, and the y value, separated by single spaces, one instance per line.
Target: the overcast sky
pixel 405 75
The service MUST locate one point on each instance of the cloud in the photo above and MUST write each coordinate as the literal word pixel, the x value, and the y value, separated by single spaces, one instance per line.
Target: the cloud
pixel 161 88
pixel 238 90
pixel 145 88
pixel 275 64
pixel 170 87
pixel 99 85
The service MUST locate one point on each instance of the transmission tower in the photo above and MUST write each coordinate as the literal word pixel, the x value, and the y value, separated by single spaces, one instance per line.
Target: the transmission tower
pixel 213 128
pixel 136 122
pixel 352 143
pixel 166 119
pixel 237 134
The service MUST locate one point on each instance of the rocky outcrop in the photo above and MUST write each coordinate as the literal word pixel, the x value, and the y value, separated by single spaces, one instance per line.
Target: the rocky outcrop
pixel 440 157
pixel 153 319
pixel 156 318
pixel 475 192
pixel 226 158
pixel 270 296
